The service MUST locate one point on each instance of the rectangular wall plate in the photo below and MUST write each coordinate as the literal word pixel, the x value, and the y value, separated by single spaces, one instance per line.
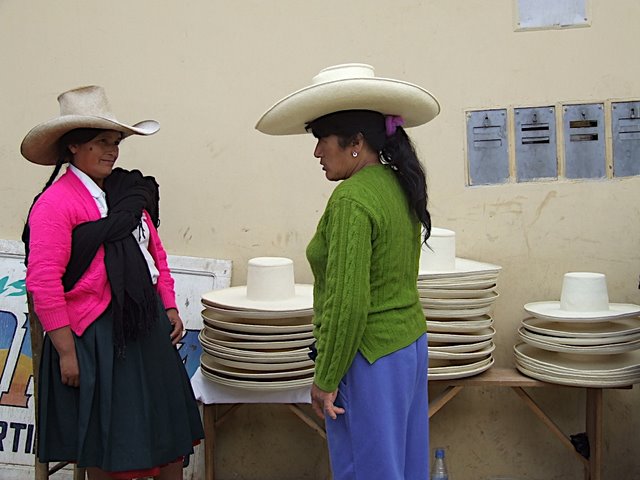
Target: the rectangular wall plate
pixel 584 141
pixel 535 143
pixel 487 147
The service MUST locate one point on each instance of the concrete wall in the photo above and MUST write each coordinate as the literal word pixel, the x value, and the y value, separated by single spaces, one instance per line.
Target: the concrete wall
pixel 208 69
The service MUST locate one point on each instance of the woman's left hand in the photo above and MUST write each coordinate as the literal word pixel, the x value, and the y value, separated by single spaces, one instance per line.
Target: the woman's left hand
pixel 176 324
pixel 322 403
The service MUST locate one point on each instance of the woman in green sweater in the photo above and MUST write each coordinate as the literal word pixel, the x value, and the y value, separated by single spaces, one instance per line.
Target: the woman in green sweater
pixel 370 379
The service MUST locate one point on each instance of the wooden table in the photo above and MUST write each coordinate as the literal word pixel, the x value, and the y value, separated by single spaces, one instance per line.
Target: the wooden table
pixel 494 377
pixel 510 377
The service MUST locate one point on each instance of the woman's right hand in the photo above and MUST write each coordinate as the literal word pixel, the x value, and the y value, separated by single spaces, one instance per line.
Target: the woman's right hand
pixel 69 369
pixel 65 345
pixel 322 403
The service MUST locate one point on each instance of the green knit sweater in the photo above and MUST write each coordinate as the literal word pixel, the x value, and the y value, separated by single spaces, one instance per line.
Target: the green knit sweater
pixel 364 257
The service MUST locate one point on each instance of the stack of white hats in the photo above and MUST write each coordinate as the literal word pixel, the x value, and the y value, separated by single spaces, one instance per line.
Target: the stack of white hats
pixel 583 339
pixel 457 297
pixel 257 336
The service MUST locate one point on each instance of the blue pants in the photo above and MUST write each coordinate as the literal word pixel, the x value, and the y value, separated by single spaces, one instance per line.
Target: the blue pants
pixel 384 433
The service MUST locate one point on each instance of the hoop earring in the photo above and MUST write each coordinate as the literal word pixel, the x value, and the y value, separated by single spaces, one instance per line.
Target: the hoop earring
pixel 354 154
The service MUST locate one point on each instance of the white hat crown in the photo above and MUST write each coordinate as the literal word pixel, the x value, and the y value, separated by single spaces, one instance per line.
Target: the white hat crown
pixel 270 279
pixel 584 292
pixel 343 72
pixel 440 254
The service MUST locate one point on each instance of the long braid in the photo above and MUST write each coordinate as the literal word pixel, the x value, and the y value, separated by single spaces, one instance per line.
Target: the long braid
pixel 400 153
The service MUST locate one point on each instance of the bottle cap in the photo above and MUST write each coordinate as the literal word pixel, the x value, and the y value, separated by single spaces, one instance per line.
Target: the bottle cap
pixel 439 452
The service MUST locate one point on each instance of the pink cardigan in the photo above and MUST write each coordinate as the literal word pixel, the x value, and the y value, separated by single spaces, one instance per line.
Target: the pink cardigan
pixel 59 209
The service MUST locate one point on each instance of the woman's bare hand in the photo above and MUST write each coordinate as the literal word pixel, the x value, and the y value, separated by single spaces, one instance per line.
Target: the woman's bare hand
pixel 176 324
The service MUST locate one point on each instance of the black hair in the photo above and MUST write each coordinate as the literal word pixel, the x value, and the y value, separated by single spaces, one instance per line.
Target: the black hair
pixel 395 150
pixel 76 136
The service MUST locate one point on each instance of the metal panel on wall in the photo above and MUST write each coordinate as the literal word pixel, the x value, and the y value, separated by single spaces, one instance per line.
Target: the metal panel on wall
pixel 487 147
pixel 536 156
pixel 584 142
pixel 625 118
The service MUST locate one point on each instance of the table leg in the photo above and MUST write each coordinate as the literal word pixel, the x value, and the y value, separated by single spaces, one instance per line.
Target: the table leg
pixel 208 412
pixel 546 420
pixel 439 401
pixel 305 418
pixel 594 412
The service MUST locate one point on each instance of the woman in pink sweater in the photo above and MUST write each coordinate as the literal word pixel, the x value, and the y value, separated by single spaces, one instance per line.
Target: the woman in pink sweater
pixel 114 396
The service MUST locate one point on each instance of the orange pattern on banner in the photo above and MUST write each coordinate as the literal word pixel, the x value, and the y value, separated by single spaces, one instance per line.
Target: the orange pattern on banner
pixel 20 369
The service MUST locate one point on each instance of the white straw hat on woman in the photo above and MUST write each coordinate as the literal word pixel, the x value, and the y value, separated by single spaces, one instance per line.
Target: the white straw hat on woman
pixel 83 107
pixel 351 86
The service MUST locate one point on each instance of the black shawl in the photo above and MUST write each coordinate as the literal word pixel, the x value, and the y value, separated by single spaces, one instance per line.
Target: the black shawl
pixel 134 300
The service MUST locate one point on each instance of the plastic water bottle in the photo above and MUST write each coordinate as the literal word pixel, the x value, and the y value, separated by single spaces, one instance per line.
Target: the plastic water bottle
pixel 439 469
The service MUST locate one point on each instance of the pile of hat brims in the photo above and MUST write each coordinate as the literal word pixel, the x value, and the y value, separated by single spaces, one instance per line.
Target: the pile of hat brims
pixel 457 297
pixel 581 340
pixel 257 336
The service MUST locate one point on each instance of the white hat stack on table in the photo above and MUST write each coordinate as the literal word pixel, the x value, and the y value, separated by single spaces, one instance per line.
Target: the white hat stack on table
pixel 257 336
pixel 583 339
pixel 457 297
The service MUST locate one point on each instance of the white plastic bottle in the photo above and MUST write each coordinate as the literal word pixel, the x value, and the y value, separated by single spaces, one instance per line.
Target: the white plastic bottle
pixel 439 469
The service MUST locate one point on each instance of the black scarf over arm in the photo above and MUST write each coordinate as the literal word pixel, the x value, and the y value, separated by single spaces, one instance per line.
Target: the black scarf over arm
pixel 134 300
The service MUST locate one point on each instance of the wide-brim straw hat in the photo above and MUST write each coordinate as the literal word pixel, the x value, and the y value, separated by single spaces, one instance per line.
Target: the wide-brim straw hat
pixel 351 86
pixel 270 287
pixel 83 107
pixel 584 297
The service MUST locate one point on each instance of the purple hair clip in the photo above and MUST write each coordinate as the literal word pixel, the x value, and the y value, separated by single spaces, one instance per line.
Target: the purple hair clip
pixel 392 122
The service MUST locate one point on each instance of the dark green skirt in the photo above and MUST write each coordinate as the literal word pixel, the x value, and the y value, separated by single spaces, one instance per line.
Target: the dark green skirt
pixel 131 413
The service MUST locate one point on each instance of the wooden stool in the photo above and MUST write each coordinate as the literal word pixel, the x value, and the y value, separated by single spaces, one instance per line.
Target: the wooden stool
pixel 42 470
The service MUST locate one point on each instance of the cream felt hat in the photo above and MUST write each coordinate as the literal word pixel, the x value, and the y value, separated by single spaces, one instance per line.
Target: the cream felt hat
pixel 83 107
pixel 584 297
pixel 270 287
pixel 351 86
